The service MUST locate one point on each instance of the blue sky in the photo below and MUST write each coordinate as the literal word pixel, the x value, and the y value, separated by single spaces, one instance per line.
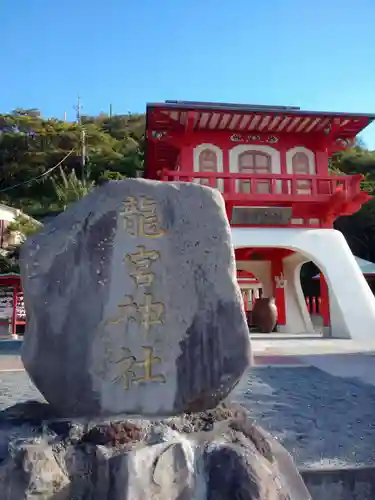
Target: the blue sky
pixel 317 54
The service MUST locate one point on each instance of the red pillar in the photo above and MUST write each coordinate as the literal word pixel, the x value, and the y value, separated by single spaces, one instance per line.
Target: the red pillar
pixel 186 161
pixel 277 271
pixel 228 184
pixel 284 170
pixel 14 311
pixel 324 303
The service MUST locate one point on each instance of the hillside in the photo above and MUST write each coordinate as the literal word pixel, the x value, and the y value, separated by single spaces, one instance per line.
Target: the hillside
pixel 30 146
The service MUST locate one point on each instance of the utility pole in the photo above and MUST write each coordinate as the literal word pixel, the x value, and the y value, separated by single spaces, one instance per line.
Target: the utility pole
pixel 78 109
pixel 83 138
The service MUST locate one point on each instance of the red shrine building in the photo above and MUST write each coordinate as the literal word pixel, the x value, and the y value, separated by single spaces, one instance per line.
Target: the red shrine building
pixel 271 165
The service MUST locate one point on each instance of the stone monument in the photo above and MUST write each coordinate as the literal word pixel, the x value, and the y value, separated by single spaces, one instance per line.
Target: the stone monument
pixel 134 310
pixel 132 303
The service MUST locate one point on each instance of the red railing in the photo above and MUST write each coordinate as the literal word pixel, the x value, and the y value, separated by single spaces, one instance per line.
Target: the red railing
pixel 279 186
pixel 313 304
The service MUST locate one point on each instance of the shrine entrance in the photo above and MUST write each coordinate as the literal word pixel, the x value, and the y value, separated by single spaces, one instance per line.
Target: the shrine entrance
pixel 276 272
pixel 316 297
pixel 260 275
pixel 338 265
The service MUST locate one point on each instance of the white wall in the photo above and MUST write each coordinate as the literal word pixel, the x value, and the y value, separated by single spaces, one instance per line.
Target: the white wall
pixel 8 213
pixel 354 304
pixel 249 286
pixel 261 269
pixel 338 326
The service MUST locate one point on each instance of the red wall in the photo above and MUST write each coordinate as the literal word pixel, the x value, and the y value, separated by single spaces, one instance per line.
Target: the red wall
pixel 224 140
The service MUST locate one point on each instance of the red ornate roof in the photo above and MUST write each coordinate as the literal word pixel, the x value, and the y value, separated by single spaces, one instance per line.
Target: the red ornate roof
pixel 250 118
pixel 174 116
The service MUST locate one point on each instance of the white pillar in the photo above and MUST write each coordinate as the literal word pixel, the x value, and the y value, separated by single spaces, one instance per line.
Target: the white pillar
pixel 298 319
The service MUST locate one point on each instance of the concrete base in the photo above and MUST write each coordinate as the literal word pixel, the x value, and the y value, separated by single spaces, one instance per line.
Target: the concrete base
pixel 285 329
pixel 327 332
pixel 277 344
pixel 345 484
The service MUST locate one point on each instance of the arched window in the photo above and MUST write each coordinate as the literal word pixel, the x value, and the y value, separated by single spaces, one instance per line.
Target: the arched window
pixel 300 163
pixel 207 162
pixel 255 162
pixel 301 166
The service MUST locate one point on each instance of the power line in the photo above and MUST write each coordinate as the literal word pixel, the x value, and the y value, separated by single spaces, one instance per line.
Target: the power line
pixel 29 181
pixel 78 108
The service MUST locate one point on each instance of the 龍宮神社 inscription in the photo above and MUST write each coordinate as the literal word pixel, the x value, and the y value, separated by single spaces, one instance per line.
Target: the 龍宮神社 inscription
pixel 140 220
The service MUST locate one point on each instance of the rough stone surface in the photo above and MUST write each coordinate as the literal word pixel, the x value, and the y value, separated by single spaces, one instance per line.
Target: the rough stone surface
pixel 132 302
pixel 213 455
pixel 322 420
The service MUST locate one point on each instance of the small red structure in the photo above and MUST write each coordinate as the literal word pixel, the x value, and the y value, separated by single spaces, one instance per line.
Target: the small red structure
pixel 12 311
pixel 271 165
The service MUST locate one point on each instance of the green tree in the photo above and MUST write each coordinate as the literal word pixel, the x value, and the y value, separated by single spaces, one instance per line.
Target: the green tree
pixel 24 225
pixel 31 146
pixel 109 175
pixel 359 228
pixel 9 263
pixel 357 160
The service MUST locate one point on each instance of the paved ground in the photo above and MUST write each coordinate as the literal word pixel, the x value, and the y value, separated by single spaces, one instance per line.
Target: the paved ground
pixel 323 420
pixel 16 387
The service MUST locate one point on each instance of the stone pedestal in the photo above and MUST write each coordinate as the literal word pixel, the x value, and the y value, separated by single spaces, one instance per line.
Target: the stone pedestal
pixel 215 455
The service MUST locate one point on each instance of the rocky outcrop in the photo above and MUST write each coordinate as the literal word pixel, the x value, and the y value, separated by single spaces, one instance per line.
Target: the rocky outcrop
pixel 215 455
pixel 132 303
